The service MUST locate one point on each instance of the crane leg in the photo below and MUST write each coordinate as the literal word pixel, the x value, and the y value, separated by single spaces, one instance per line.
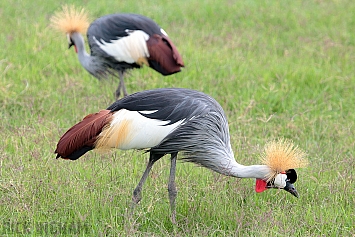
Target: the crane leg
pixel 121 85
pixel 172 187
pixel 137 191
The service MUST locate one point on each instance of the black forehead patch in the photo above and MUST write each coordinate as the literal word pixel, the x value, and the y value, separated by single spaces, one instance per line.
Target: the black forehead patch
pixel 291 175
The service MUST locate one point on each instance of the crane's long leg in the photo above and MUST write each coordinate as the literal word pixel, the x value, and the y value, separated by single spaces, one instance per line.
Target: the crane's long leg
pixel 172 187
pixel 137 191
pixel 121 85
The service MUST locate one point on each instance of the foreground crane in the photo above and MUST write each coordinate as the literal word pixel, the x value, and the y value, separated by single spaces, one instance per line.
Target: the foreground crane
pixel 169 121
pixel 118 42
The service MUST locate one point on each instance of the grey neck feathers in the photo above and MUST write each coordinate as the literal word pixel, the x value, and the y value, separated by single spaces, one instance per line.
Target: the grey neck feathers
pixel 252 171
pixel 232 168
pixel 85 59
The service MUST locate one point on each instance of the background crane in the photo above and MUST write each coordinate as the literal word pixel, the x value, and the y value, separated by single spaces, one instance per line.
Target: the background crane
pixel 118 42
pixel 168 121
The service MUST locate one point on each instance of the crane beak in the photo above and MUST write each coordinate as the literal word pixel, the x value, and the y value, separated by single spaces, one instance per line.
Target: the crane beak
pixel 262 185
pixel 70 44
pixel 291 189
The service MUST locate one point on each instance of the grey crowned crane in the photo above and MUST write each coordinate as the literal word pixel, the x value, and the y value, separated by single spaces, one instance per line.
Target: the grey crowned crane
pixel 173 120
pixel 118 42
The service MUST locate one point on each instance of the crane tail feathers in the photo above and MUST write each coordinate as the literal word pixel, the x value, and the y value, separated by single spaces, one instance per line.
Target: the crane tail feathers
pixel 163 55
pixel 81 138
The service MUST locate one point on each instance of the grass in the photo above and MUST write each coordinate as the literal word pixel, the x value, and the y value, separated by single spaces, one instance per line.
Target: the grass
pixel 278 68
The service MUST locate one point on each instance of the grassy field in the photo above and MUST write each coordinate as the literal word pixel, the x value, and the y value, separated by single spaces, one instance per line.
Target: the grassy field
pixel 278 68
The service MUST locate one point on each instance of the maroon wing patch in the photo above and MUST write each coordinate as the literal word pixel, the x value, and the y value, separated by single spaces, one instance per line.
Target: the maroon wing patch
pixel 163 55
pixel 83 134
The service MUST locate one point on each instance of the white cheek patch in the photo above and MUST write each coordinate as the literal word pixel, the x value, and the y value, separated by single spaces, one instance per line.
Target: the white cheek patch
pixel 280 180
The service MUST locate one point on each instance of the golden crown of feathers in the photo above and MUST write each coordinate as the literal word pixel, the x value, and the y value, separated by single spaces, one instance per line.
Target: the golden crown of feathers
pixel 281 155
pixel 70 20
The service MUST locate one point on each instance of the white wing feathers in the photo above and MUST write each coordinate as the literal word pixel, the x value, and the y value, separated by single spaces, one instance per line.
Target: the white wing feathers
pixel 127 49
pixel 131 130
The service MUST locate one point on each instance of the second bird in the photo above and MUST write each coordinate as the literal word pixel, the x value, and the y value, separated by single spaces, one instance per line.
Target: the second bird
pixel 118 42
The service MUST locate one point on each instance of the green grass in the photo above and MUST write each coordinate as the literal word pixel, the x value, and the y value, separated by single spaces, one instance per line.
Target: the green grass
pixel 278 68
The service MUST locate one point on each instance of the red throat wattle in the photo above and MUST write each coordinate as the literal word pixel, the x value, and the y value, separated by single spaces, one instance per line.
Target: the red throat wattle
pixel 260 185
pixel 76 50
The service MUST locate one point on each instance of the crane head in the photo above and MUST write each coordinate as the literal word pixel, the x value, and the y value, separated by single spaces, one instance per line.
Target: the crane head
pixel 281 157
pixel 284 180
pixel 71 43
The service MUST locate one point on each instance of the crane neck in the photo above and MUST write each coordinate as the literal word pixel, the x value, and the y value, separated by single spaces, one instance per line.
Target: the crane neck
pixel 78 40
pixel 85 59
pixel 251 171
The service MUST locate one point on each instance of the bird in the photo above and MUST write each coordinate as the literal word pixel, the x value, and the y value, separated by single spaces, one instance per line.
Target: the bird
pixel 176 120
pixel 118 42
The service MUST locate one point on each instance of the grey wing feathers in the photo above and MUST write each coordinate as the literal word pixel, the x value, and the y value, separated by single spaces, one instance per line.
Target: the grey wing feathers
pixel 204 141
pixel 172 104
pixel 114 26
pixel 202 138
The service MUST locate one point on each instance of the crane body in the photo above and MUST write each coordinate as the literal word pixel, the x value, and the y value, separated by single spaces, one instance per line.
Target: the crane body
pixel 171 121
pixel 118 42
